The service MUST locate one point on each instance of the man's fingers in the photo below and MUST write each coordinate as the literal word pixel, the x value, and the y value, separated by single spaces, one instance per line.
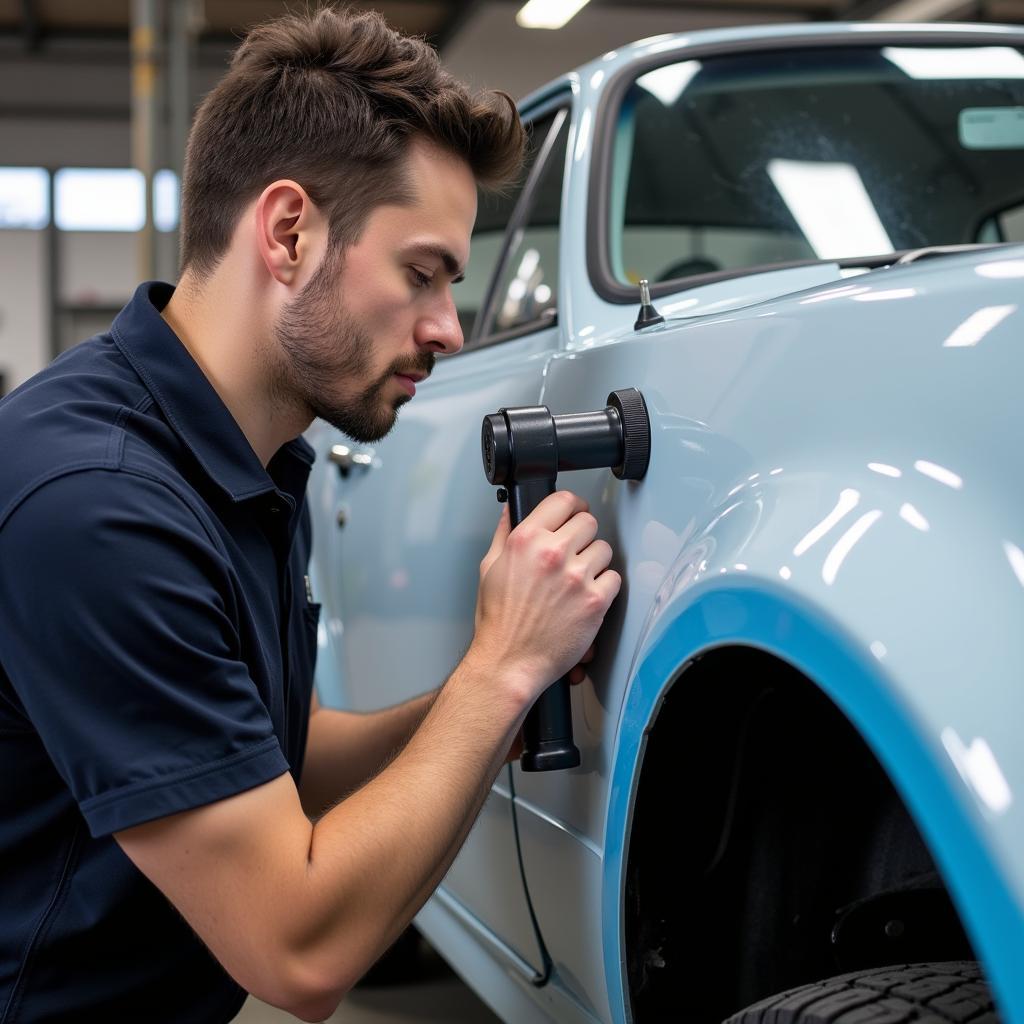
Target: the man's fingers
pixel 579 531
pixel 609 583
pixel 578 673
pixel 556 510
pixel 596 557
pixel 501 532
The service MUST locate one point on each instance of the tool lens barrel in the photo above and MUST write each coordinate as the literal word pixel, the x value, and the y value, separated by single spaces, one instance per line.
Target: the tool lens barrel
pixel 496 448
pixel 588 440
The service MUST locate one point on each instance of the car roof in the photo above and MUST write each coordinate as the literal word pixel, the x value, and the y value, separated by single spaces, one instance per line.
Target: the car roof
pixel 765 37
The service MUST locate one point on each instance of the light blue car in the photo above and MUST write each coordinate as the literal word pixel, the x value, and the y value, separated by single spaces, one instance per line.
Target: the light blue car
pixel 801 742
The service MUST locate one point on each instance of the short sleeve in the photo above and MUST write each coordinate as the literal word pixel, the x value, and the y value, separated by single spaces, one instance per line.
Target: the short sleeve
pixel 119 637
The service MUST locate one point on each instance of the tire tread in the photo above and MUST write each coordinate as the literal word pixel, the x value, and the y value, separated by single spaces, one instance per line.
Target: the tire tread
pixel 946 993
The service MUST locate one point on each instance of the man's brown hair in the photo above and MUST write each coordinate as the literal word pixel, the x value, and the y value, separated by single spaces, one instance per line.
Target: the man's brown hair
pixel 332 100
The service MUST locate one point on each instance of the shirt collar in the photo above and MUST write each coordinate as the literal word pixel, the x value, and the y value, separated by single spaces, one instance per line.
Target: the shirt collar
pixel 186 397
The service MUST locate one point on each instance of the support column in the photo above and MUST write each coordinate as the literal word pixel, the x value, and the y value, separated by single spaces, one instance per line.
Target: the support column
pixel 145 70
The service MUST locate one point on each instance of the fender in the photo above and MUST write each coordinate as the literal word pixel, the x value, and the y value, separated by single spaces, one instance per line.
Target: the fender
pixel 744 610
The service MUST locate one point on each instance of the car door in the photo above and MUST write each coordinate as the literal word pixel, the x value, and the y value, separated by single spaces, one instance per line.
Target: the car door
pixel 409 518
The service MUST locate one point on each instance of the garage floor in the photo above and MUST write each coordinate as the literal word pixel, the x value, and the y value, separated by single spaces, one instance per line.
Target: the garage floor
pixel 435 996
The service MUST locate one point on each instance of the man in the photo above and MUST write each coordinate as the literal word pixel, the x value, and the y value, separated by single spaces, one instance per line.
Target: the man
pixel 156 645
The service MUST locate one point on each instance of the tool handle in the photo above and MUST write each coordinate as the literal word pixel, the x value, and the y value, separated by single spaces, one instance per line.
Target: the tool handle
pixel 547 731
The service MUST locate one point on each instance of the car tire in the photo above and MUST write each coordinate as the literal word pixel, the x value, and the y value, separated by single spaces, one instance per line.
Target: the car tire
pixel 941 993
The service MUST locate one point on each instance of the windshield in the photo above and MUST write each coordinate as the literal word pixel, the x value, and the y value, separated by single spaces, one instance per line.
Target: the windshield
pixel 828 153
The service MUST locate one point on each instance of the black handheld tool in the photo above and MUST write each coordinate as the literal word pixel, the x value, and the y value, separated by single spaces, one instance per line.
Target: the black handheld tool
pixel 524 449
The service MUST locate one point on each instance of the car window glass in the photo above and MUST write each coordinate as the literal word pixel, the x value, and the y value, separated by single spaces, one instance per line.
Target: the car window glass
pixel 1011 224
pixel 494 210
pixel 527 289
pixel 763 158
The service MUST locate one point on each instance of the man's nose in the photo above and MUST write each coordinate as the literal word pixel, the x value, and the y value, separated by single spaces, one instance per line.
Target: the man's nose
pixel 441 331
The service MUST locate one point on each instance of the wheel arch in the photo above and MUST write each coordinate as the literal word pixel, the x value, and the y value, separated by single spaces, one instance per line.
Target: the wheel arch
pixel 739 614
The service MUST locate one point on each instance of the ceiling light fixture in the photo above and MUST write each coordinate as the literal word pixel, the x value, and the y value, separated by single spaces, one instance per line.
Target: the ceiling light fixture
pixel 548 13
pixel 919 10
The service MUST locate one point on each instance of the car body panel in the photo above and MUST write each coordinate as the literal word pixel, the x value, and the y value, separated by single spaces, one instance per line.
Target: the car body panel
pixel 773 355
pixel 737 490
pixel 835 479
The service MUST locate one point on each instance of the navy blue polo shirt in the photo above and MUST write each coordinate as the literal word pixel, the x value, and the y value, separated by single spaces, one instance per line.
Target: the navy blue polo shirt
pixel 156 654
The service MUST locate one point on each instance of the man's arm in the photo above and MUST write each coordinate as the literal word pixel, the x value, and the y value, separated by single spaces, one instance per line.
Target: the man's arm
pixel 346 748
pixel 296 912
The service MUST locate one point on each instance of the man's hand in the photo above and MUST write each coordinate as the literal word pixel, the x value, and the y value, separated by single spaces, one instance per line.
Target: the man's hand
pixel 544 590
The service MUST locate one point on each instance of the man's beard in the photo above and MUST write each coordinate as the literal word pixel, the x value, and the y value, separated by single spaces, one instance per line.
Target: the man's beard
pixel 324 349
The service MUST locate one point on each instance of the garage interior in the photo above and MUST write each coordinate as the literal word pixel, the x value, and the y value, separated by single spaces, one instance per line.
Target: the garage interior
pixel 68 111
pixel 96 100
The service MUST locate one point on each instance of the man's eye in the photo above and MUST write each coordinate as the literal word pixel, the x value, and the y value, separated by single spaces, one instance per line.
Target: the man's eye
pixel 420 280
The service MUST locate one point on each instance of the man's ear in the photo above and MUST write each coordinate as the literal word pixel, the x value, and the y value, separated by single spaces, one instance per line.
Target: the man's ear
pixel 290 231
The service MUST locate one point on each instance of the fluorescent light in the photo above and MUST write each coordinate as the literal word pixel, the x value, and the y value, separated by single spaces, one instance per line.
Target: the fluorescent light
pixel 909 514
pixel 979 768
pixel 1002 269
pixel 846 543
pixel 955 62
pixel 583 135
pixel 977 325
pixel 1016 559
pixel 668 83
pixel 887 295
pixel 835 293
pixel 548 13
pixel 830 204
pixel 847 501
pixel 919 10
pixel 939 473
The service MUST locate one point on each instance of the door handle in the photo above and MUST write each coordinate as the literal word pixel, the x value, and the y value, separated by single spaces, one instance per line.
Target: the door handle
pixel 346 459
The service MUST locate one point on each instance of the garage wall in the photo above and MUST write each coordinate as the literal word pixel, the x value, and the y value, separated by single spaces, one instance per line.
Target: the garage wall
pixel 69 106
pixel 24 339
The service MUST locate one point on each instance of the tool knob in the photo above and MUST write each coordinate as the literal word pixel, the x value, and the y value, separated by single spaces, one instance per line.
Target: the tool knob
pixel 636 433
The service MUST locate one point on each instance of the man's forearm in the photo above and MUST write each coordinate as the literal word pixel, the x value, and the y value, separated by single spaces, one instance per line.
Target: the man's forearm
pixel 375 858
pixel 347 748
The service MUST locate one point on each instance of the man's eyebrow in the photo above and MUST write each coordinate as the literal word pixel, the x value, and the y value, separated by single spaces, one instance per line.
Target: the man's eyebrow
pixel 439 252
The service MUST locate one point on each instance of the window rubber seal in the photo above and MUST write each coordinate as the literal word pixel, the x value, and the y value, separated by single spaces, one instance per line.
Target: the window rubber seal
pixel 598 256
